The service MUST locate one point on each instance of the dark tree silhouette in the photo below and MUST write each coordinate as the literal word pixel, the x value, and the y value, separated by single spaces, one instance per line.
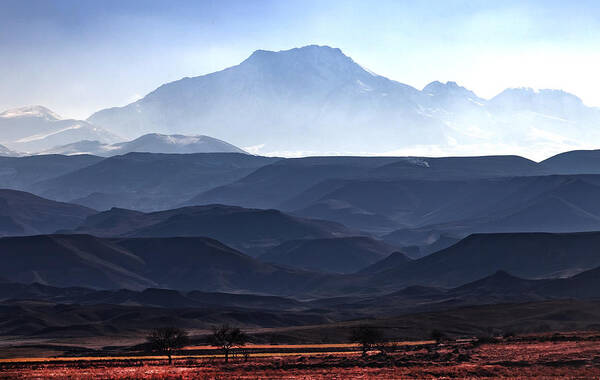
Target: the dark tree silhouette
pixel 438 336
pixel 367 337
pixel 167 339
pixel 227 338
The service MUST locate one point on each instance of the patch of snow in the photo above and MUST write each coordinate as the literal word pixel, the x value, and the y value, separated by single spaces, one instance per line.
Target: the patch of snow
pixel 30 111
pixel 40 136
pixel 475 102
pixel 368 71
pixel 363 86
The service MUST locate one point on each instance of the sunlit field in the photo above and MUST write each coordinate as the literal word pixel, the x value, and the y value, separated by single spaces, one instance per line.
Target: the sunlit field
pixel 542 356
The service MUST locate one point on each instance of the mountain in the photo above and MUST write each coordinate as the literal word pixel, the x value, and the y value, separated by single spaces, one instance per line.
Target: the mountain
pixel 35 128
pixel 5 152
pixel 544 266
pixel 498 288
pixel 47 320
pixel 177 263
pixel 422 210
pixel 151 143
pixel 304 99
pixel 337 255
pixel 394 260
pixel 574 162
pixel 26 214
pixel 252 231
pixel 499 284
pixel 293 99
pixel 583 285
pixel 557 103
pixel 153 297
pixel 192 263
pixel 527 255
pixel 21 173
pixel 528 204
pixel 70 261
pixel 292 184
pixel 148 181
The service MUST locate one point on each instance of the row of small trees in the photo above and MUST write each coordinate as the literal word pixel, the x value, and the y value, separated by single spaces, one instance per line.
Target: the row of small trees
pixel 167 340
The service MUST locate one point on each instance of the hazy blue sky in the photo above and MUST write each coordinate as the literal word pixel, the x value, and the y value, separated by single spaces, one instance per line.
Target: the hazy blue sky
pixel 78 56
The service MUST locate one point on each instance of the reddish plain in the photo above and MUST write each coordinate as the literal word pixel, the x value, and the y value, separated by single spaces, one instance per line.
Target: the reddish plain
pixel 532 357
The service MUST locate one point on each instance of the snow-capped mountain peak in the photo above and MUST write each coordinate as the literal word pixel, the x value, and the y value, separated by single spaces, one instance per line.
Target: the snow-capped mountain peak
pixel 317 99
pixel 30 111
pixel 33 129
pixel 149 143
pixel 450 88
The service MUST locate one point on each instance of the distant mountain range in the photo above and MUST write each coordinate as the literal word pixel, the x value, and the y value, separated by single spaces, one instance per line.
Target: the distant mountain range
pixel 146 181
pixel 42 310
pixel 312 100
pixel 22 213
pixel 333 255
pixel 527 255
pixel 200 263
pixel 149 143
pixel 102 236
pixel 315 99
pixel 35 128
pixel 176 262
pixel 251 231
pixel 420 198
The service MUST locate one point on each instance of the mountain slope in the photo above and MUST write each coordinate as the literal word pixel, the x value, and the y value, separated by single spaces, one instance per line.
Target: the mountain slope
pixel 35 128
pixel 529 255
pixel 291 184
pixel 303 99
pixel 77 260
pixel 338 255
pixel 190 263
pixel 5 152
pixel 296 93
pixel 150 143
pixel 153 297
pixel 394 260
pixel 250 230
pixel 20 173
pixel 149 181
pixel 527 204
pixel 26 214
pixel 574 162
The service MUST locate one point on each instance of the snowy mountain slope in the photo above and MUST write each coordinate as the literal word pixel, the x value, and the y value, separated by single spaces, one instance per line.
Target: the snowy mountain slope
pixel 315 99
pixel 5 152
pixel 150 143
pixel 310 98
pixel 35 128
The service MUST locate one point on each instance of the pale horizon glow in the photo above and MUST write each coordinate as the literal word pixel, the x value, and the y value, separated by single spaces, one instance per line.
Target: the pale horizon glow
pixel 79 57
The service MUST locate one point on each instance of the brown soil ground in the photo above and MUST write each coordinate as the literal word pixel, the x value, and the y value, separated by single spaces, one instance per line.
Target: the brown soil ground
pixel 535 357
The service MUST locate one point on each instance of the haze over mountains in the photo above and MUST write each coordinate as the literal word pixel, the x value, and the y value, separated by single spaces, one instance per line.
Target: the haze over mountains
pixel 137 214
pixel 251 230
pixel 306 99
pixel 313 100
pixel 147 181
pixel 36 128
pixel 199 263
pixel 149 143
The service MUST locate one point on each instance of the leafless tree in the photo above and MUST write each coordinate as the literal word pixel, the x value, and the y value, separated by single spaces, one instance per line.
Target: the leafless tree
pixel 367 337
pixel 167 339
pixel 227 338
